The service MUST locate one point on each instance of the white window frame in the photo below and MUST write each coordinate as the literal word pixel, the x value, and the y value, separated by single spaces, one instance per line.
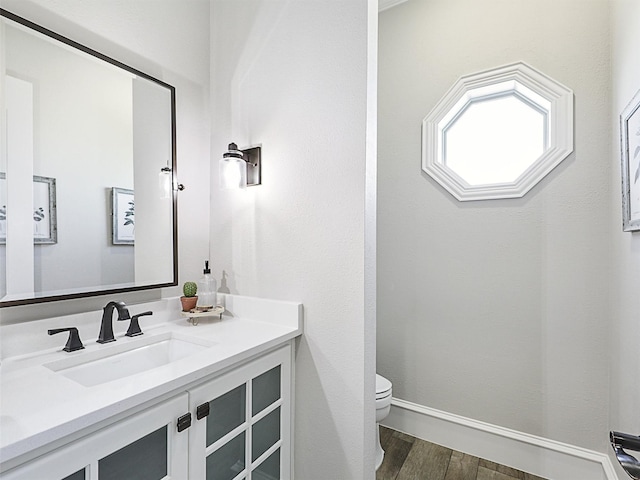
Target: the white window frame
pixel 520 79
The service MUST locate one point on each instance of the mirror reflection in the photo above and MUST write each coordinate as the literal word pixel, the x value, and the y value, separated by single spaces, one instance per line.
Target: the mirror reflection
pixel 86 179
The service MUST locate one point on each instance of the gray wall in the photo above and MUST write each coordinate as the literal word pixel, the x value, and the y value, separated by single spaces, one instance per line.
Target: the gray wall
pixel 625 319
pixel 497 310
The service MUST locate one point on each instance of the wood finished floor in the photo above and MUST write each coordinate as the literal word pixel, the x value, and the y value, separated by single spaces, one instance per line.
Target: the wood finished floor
pixel 409 458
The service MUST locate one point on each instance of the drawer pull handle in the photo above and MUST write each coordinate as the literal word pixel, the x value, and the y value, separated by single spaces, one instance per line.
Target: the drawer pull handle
pixel 202 411
pixel 184 422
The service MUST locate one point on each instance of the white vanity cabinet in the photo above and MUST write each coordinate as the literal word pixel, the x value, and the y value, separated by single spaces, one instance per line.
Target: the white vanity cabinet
pixel 242 425
pixel 146 446
pixel 233 426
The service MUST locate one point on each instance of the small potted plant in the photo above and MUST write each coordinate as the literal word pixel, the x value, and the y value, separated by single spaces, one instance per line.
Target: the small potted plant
pixel 190 299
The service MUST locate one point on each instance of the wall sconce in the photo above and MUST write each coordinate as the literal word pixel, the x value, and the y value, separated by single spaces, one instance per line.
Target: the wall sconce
pixel 240 168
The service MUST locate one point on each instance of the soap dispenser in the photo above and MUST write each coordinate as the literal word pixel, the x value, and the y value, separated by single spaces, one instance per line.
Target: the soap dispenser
pixel 207 288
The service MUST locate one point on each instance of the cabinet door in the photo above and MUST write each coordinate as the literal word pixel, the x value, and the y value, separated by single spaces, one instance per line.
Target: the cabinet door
pixel 146 446
pixel 243 428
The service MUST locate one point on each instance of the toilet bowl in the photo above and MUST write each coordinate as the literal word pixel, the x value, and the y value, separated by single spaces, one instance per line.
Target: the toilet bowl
pixel 383 405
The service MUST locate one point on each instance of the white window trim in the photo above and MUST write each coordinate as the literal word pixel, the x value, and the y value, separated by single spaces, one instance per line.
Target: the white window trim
pixel 560 133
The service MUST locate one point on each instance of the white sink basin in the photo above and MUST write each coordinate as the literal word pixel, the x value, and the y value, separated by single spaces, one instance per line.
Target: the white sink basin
pixel 124 358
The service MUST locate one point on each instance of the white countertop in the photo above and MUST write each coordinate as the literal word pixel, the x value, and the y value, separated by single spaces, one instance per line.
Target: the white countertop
pixel 39 406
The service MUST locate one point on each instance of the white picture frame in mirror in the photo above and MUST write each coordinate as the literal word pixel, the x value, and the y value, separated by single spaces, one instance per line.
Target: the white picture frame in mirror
pixel 45 227
pixel 123 216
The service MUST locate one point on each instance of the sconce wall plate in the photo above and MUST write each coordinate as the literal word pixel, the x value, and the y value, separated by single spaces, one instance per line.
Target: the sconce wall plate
pixel 253 157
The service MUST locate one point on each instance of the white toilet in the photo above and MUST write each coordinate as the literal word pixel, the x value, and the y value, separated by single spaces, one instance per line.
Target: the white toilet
pixel 383 405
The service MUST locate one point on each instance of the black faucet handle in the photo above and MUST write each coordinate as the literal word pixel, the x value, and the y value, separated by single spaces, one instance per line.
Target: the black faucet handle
pixel 134 326
pixel 73 343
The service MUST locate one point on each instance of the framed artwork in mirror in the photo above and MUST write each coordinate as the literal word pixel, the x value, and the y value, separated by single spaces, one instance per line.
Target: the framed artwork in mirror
pixel 123 215
pixel 630 145
pixel 45 227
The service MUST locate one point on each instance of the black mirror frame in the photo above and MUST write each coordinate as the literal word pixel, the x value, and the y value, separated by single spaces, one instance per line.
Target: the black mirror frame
pixel 108 291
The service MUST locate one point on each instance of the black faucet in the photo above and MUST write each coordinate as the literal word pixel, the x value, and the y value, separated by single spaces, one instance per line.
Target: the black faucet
pixel 106 327
pixel 134 326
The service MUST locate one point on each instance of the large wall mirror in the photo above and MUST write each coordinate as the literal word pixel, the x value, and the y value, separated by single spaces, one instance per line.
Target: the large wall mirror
pixel 87 164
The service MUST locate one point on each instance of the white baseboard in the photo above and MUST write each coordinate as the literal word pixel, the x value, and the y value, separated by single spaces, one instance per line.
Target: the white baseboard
pixel 529 453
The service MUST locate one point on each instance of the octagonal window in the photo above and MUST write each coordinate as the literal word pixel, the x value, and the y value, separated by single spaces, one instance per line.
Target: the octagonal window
pixel 494 140
pixel 498 133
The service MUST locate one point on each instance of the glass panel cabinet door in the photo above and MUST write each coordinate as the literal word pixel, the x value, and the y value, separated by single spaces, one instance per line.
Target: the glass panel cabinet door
pixel 79 475
pixel 227 412
pixel 269 469
pixel 144 459
pixel 243 430
pixel 265 434
pixel 228 461
pixel 145 446
pixel 265 390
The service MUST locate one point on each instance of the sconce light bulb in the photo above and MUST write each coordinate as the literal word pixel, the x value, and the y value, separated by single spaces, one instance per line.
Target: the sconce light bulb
pixel 233 173
pixel 233 169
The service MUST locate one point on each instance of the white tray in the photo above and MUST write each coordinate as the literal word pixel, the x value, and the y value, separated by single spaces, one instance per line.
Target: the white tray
pixel 194 317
